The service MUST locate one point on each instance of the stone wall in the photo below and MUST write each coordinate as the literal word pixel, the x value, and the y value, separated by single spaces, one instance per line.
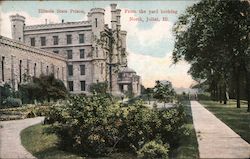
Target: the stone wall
pixel 18 59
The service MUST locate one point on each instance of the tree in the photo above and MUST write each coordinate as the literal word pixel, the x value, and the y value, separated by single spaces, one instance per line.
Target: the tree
pixel 213 36
pixel 164 92
pixel 43 88
pixel 149 93
pixel 5 92
pixel 99 88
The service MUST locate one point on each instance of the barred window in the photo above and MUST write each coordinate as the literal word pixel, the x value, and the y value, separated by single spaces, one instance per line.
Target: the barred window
pixel 83 85
pixel 55 39
pixel 43 41
pixel 81 38
pixel 32 42
pixel 82 53
pixel 69 39
pixel 70 70
pixel 69 54
pixel 82 69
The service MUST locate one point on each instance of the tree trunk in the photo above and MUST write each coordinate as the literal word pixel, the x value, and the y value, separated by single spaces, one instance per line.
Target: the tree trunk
pixel 216 92
pixel 238 87
pixel 225 93
pixel 248 90
pixel 220 94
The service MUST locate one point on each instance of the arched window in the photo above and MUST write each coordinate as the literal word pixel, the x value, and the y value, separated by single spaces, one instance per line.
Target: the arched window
pixel 35 70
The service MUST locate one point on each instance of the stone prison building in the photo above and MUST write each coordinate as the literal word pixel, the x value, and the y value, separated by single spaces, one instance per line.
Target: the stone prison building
pixel 79 53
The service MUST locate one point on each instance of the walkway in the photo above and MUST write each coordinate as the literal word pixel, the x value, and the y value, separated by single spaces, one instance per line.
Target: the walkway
pixel 216 139
pixel 10 142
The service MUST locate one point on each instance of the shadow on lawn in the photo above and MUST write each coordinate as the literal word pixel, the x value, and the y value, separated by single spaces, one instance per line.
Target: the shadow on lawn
pixel 237 119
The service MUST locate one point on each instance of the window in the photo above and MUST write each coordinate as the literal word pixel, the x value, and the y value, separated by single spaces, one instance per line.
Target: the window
pixel 71 85
pixel 82 54
pixel 70 70
pixel 102 68
pixel 20 71
pixel 82 69
pixel 69 54
pixel 96 22
pixel 81 38
pixel 96 49
pixel 53 69
pixel 47 70
pixel 57 73
pixel 55 39
pixel 41 67
pixel 32 42
pixel 69 39
pixel 56 51
pixel 43 41
pixel 83 85
pixel 35 69
pixel 3 68
pixel 28 67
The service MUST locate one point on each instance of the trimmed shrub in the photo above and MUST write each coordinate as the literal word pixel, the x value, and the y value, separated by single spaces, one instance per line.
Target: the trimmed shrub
pixel 95 126
pixel 13 102
pixel 153 150
pixel 31 114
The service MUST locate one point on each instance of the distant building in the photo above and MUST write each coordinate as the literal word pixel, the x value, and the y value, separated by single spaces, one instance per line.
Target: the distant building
pixel 90 51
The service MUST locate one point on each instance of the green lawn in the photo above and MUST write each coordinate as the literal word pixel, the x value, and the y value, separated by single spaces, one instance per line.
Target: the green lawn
pixel 43 145
pixel 188 147
pixel 237 119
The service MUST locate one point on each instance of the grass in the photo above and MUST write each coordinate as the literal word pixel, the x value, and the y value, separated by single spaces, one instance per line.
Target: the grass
pixel 188 148
pixel 238 119
pixel 43 145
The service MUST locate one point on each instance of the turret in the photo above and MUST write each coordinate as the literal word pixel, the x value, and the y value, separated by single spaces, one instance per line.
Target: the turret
pixel 17 27
pixel 113 16
pixel 96 16
pixel 118 18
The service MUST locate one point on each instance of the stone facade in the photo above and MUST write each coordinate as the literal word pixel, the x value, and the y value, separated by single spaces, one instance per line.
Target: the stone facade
pixel 95 53
pixel 18 59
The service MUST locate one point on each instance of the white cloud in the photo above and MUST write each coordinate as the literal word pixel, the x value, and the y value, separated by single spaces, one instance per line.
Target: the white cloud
pixel 150 36
pixel 148 67
pixel 156 68
pixel 5 28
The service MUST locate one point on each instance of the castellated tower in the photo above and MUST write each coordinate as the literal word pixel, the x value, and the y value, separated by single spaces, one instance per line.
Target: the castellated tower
pixel 96 18
pixel 17 27
pixel 113 16
pixel 116 47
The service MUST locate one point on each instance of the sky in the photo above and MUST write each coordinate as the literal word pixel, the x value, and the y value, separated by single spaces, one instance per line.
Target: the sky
pixel 149 43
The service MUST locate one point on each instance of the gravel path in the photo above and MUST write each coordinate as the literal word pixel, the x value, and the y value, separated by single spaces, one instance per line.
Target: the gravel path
pixel 216 139
pixel 10 142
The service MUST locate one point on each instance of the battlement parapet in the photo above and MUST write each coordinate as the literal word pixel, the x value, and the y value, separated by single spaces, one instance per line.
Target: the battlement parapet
pixel 97 10
pixel 56 25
